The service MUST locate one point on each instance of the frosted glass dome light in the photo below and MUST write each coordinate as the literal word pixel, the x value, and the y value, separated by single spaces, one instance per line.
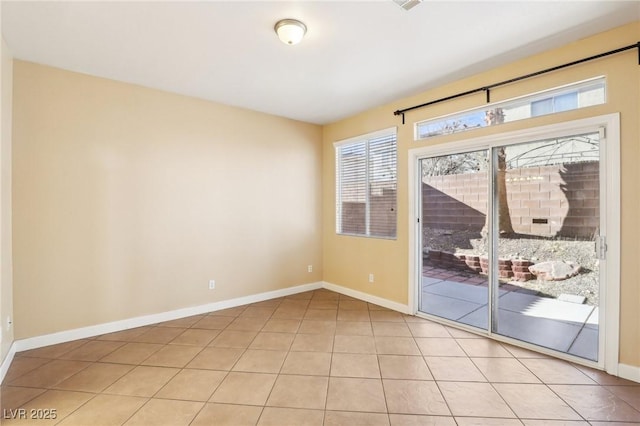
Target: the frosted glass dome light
pixel 290 31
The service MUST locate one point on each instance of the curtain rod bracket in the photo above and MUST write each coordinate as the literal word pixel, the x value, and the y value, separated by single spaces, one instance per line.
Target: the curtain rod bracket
pixel 398 112
pixel 488 92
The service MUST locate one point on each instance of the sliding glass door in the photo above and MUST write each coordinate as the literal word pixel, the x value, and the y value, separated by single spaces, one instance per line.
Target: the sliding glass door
pixel 454 193
pixel 511 241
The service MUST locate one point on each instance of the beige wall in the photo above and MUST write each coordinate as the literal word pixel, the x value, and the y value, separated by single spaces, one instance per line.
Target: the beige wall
pixel 349 260
pixel 6 274
pixel 128 200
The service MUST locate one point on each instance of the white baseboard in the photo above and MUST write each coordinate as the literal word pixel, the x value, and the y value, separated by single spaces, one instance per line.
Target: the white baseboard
pixel 6 363
pixel 96 330
pixel 629 372
pixel 367 298
pixel 625 371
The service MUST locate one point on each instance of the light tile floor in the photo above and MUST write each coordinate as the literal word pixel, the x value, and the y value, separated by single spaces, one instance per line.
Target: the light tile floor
pixel 563 326
pixel 309 359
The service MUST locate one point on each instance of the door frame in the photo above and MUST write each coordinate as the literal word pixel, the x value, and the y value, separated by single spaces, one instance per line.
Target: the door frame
pixel 609 320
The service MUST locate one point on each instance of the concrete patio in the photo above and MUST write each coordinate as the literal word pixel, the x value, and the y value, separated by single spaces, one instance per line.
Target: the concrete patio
pixel 563 326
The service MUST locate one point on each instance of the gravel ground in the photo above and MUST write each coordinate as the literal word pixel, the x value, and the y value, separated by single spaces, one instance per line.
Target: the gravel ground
pixel 534 249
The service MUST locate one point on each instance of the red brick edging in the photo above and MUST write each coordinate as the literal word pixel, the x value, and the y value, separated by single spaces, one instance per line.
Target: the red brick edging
pixel 518 269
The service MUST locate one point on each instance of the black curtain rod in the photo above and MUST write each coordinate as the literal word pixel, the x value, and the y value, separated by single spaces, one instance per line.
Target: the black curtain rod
pixel 487 89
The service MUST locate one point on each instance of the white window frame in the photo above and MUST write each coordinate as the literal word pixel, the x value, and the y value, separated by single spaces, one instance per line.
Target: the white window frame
pixel 610 303
pixel 366 138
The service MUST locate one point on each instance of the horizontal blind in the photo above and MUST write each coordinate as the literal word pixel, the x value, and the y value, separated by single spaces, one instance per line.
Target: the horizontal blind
pixel 366 187
pixel 382 187
pixel 352 188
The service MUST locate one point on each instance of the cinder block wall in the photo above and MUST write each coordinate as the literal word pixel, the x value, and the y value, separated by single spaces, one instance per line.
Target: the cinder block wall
pixel 383 209
pixel 547 201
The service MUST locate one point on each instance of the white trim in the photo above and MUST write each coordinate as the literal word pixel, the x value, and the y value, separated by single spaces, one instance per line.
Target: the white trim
pixel 610 318
pixel 386 303
pixel 625 371
pixel 629 372
pixel 96 330
pixel 557 130
pixel 610 304
pixel 415 224
pixel 6 363
pixel 390 131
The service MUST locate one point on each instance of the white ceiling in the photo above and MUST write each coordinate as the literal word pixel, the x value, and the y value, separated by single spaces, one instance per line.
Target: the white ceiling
pixel 356 55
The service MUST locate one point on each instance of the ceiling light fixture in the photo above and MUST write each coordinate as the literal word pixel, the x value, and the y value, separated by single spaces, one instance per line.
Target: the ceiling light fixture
pixel 407 4
pixel 290 31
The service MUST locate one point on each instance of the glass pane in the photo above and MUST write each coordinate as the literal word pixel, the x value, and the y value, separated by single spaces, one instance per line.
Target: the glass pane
pixel 352 201
pixel 366 187
pixel 382 187
pixel 548 205
pixel 542 107
pixel 566 102
pixel 454 216
pixel 574 96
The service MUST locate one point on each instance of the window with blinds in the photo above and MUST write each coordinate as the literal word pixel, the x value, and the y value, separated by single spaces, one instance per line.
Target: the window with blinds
pixel 366 185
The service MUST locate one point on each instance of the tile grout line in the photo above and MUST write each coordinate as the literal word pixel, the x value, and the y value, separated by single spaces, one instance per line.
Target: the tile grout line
pixel 326 398
pixel 279 374
pixel 181 369
pixel 231 368
pixel 78 372
pixel 384 392
pixel 546 385
pixel 264 405
pixel 431 373
pixel 494 388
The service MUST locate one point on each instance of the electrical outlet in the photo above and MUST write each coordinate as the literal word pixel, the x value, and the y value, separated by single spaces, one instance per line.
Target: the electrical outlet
pixel 310 268
pixel 370 278
pixel 212 284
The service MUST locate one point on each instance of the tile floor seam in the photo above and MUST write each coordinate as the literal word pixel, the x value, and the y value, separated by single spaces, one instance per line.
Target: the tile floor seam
pixel 264 405
pixel 26 372
pixel 136 411
pixel 266 401
pixel 384 324
pixel 443 398
pixel 77 408
pixel 622 386
pixel 566 402
pixel 243 352
pixel 52 385
pixel 178 373
pixel 202 408
pixel 326 397
pixel 141 361
pixel 532 372
pixel 31 398
pixel 115 349
pixel 142 366
pixel 384 393
pixel 612 394
pixel 190 359
pixel 498 393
